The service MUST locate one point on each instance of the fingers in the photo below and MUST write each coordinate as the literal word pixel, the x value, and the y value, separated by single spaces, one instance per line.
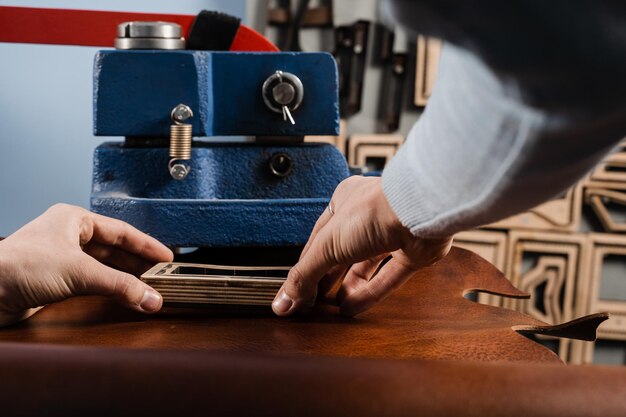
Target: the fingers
pixel 367 293
pixel 94 278
pixel 358 275
pixel 117 258
pixel 113 232
pixel 300 288
pixel 321 222
pixel 363 226
pixel 331 283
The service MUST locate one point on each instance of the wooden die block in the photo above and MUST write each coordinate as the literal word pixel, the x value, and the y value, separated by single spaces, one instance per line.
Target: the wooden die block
pixel 560 214
pixel 366 150
pixel 427 62
pixel 599 199
pixel 489 245
pixel 613 167
pixel 605 249
pixel 339 141
pixel 550 267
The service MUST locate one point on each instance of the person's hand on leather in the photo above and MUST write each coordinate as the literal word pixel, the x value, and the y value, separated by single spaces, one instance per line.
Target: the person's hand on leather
pixel 69 251
pixel 356 233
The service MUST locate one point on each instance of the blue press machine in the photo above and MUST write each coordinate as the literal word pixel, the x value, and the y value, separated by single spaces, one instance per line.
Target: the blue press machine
pixel 264 193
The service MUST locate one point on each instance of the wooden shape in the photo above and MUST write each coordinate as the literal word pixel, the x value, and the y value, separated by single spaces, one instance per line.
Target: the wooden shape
pixel 491 246
pixel 189 283
pixel 338 141
pixel 427 62
pixel 606 185
pixel 613 166
pixel 598 199
pixel 600 247
pixel 560 215
pixel 375 157
pixel 549 271
pixel 426 318
pixel 360 147
pixel 551 267
pixel 321 16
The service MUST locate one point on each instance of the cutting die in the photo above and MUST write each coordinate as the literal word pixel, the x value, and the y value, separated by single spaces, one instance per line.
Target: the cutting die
pixel 561 214
pixel 366 148
pixel 552 268
pixel 427 61
pixel 489 245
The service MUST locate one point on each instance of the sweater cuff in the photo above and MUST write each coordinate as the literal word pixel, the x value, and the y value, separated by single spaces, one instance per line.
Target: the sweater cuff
pixel 408 197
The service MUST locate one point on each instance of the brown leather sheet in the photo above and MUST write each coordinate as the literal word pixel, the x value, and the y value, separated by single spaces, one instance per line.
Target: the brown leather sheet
pixel 248 362
pixel 427 319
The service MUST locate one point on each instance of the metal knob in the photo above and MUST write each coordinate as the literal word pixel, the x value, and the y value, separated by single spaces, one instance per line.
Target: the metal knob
pixel 149 35
pixel 283 93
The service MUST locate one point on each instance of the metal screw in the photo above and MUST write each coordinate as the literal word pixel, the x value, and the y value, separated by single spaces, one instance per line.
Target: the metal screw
pixel 181 113
pixel 179 171
pixel 284 93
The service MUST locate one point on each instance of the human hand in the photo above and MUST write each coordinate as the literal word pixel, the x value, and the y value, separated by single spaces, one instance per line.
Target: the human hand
pixel 362 233
pixel 70 251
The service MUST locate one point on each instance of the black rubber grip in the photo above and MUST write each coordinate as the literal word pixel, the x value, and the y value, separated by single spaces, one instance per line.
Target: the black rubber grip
pixel 213 31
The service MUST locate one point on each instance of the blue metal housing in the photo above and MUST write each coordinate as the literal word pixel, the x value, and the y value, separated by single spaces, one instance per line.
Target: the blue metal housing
pixel 134 92
pixel 230 197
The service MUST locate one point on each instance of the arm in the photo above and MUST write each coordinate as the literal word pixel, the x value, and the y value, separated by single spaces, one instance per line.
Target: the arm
pixel 70 251
pixel 479 154
pixel 517 115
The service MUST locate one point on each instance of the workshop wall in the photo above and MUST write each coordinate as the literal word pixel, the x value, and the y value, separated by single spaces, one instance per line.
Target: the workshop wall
pixel 46 139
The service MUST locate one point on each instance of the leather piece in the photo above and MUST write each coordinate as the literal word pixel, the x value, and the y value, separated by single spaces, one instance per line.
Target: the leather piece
pixel 54 380
pixel 583 328
pixel 428 318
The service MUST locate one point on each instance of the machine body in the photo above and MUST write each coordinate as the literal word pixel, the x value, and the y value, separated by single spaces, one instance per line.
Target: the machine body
pixel 267 192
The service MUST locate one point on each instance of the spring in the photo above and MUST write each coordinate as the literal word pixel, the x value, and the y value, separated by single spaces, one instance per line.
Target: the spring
pixel 180 141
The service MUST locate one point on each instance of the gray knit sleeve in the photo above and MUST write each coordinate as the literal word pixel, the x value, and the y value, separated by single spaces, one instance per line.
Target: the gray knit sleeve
pixel 479 154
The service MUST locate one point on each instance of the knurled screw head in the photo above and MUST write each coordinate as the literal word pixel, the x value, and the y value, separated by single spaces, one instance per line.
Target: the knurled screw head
pixel 181 113
pixel 283 93
pixel 179 171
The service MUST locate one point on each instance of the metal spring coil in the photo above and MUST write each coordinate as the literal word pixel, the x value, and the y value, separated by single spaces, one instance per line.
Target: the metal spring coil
pixel 180 141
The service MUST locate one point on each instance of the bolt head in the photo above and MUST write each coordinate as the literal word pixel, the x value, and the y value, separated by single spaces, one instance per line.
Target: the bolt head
pixel 179 171
pixel 284 93
pixel 181 113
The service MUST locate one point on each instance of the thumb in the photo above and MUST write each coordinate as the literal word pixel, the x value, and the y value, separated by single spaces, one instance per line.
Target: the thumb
pixel 300 288
pixel 99 279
